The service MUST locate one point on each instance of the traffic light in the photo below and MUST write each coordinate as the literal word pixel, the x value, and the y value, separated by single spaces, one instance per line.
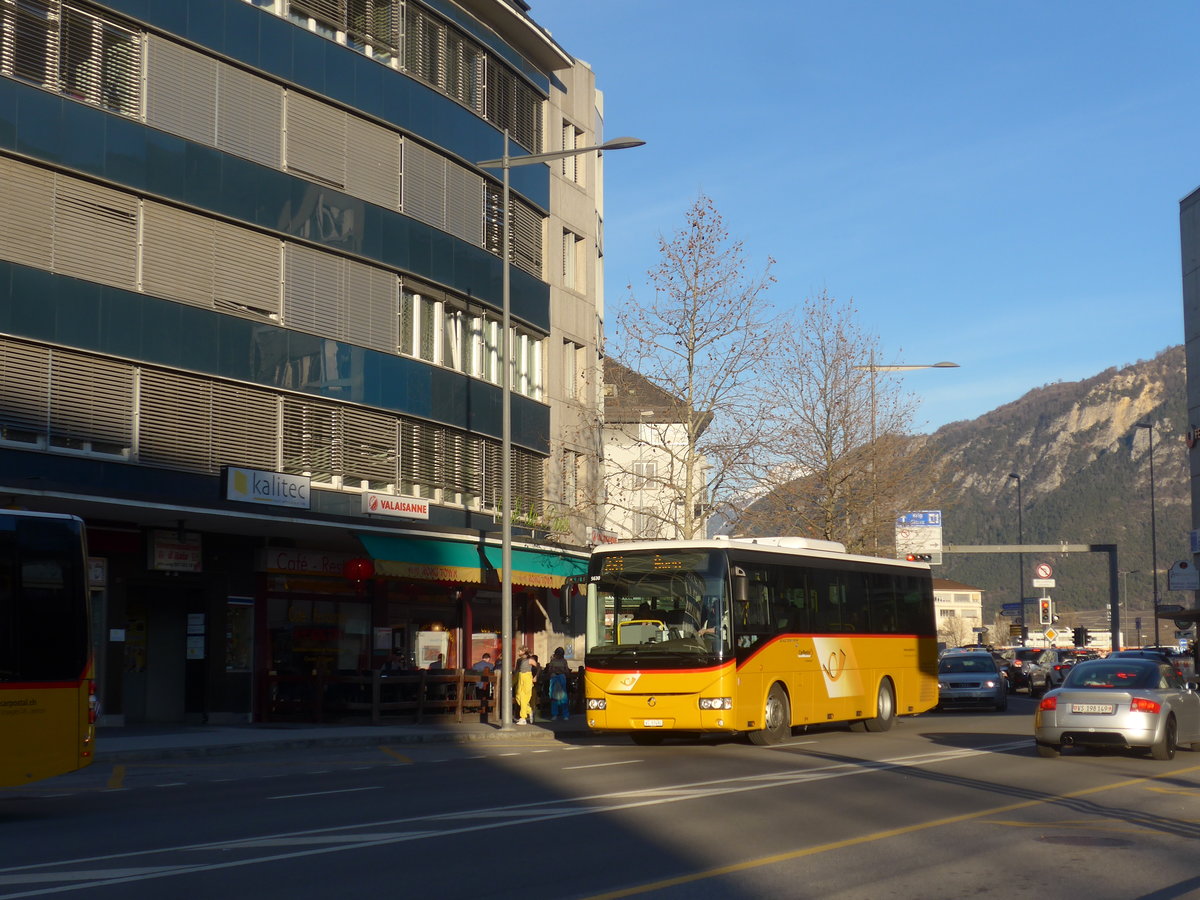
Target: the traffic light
pixel 1044 610
pixel 919 557
pixel 1081 636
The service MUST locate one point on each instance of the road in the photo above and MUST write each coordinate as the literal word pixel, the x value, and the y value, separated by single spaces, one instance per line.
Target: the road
pixel 944 805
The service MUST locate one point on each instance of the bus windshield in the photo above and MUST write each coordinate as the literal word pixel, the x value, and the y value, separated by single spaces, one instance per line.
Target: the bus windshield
pixel 647 606
pixel 43 599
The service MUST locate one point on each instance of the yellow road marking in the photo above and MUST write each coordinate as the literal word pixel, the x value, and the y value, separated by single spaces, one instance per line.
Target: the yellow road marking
pixel 399 757
pixel 871 838
pixel 117 778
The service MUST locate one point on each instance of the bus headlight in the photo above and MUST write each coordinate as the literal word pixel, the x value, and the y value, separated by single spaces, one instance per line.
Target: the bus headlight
pixel 596 703
pixel 716 703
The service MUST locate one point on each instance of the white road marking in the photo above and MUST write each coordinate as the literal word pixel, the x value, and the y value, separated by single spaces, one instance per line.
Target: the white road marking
pixel 375 787
pixel 624 762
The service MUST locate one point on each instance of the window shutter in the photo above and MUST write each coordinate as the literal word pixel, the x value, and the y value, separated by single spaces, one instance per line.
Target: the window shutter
pixel 174 421
pixel 24 386
pixel 370 315
pixel 316 139
pixel 91 399
pixel 27 226
pixel 30 35
pixel 370 446
pixel 245 427
pixel 493 471
pixel 373 22
pixel 423 46
pixel 96 233
pixel 313 284
pixel 249 116
pixel 246 272
pixel 100 62
pixel 526 236
pixel 177 255
pixel 424 185
pixel 331 12
pixel 311 438
pixel 181 91
pixel 373 163
pixel 464 204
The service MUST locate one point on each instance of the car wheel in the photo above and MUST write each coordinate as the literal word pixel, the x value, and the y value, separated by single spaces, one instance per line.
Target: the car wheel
pixel 1164 747
pixel 1048 751
pixel 646 738
pixel 777 719
pixel 1002 705
pixel 885 709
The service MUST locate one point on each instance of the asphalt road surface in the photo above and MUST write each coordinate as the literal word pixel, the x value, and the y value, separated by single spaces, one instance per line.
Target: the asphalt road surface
pixel 945 805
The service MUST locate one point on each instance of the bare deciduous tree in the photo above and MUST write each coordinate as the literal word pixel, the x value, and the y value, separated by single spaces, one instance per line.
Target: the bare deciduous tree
pixel 845 463
pixel 704 337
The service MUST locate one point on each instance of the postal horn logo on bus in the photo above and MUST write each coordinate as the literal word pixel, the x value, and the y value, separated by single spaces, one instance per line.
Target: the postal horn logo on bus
pixel 835 665
pixel 650 701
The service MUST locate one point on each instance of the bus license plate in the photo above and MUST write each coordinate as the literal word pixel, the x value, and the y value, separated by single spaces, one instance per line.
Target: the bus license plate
pixel 1100 708
pixel 652 723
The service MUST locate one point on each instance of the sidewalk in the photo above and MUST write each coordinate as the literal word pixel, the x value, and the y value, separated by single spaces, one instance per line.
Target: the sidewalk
pixel 139 743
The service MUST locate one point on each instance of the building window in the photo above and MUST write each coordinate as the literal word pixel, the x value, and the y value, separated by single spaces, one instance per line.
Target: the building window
pixel 644 475
pixel 572 166
pixel 573 267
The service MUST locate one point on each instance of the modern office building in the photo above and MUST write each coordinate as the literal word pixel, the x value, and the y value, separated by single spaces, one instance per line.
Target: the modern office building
pixel 250 331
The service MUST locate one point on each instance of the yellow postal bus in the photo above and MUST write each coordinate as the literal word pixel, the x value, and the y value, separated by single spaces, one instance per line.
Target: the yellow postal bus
pixel 47 698
pixel 754 635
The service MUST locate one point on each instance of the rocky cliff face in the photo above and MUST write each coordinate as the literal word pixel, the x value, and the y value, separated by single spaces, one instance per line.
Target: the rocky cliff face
pixel 1084 469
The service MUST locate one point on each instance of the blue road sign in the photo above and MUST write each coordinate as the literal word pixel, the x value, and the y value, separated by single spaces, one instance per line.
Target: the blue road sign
pixel 1015 607
pixel 1010 612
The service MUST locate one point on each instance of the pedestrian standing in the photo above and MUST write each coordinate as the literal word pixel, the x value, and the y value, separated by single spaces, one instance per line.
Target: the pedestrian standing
pixel 524 692
pixel 558 669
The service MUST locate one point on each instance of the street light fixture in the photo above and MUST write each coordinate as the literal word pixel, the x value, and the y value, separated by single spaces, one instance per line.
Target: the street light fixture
pixel 873 368
pixel 505 163
pixel 1149 426
pixel 1020 558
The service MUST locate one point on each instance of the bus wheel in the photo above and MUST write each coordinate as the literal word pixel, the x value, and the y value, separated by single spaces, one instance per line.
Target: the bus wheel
pixel 885 709
pixel 777 719
pixel 646 738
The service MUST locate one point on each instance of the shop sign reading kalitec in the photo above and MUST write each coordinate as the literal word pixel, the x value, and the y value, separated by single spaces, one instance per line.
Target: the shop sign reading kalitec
pixel 272 488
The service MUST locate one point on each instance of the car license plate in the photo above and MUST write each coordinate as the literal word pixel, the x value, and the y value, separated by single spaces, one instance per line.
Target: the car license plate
pixel 1097 708
pixel 652 723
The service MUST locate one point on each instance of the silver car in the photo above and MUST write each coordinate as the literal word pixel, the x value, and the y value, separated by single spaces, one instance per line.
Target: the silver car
pixel 1120 703
pixel 971 679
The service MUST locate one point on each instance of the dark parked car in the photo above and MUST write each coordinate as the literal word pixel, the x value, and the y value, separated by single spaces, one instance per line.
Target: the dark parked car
pixel 1024 670
pixel 1057 664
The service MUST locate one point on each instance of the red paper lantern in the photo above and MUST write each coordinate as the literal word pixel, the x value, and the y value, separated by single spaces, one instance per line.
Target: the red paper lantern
pixel 358 569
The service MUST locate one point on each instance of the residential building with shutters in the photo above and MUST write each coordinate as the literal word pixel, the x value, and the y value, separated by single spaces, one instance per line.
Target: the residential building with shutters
pixel 646 457
pixel 250 331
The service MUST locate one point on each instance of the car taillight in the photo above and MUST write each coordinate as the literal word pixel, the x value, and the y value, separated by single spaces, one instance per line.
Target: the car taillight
pixel 1060 667
pixel 1140 704
pixel 1016 663
pixel 1048 703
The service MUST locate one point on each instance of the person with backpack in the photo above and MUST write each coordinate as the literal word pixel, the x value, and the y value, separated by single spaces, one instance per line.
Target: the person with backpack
pixel 557 670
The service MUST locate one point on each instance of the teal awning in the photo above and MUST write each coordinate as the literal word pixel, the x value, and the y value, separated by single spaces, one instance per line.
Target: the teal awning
pixel 434 559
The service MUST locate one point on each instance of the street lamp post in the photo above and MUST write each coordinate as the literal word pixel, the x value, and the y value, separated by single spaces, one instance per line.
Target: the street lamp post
pixel 1149 426
pixel 504 163
pixel 874 370
pixel 1020 558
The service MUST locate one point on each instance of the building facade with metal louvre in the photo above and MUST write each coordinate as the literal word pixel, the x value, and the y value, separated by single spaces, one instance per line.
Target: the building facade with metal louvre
pixel 252 313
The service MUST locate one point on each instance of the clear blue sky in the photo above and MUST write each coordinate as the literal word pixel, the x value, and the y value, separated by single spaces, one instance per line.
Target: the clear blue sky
pixel 994 183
